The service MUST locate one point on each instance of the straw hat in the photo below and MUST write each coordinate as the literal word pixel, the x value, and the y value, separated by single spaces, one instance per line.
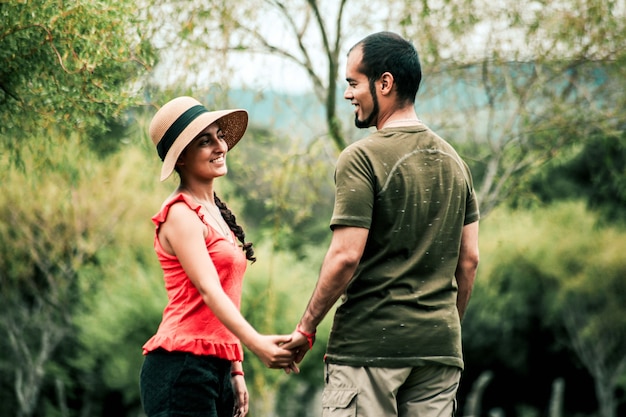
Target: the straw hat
pixel 182 119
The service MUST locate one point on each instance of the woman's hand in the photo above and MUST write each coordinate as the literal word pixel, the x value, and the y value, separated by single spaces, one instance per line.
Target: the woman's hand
pixel 240 390
pixel 269 349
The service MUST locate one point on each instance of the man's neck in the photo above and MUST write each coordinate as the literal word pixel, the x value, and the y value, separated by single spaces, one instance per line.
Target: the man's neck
pixel 398 118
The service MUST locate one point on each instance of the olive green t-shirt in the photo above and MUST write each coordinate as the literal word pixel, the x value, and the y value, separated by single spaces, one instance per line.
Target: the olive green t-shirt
pixel 414 193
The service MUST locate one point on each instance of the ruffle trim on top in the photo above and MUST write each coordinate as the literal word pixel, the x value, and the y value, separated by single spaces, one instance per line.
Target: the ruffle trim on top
pixel 161 216
pixel 228 351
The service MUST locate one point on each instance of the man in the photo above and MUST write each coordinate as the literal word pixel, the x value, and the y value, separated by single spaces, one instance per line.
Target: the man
pixel 403 254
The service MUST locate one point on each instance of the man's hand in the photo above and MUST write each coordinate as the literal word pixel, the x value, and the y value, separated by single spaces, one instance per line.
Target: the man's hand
pixel 299 345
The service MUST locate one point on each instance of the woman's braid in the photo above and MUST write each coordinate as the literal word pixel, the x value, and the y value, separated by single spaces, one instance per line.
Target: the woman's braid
pixel 237 230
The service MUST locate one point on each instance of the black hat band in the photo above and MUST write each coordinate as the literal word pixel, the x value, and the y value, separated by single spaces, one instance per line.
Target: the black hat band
pixel 177 128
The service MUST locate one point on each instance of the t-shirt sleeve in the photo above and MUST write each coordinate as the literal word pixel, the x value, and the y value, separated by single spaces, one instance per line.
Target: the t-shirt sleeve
pixel 472 212
pixel 354 190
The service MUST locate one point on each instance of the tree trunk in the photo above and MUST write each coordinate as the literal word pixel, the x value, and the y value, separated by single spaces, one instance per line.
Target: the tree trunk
pixel 556 399
pixel 473 402
pixel 606 399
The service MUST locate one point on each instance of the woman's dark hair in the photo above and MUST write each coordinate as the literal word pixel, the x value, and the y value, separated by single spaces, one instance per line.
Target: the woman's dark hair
pixel 389 52
pixel 237 230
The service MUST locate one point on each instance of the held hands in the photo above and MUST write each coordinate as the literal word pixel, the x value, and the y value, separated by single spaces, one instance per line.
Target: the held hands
pixel 283 351
pixel 301 342
pixel 271 350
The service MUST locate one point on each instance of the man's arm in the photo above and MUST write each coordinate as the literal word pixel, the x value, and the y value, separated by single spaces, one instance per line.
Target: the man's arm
pixel 341 260
pixel 466 267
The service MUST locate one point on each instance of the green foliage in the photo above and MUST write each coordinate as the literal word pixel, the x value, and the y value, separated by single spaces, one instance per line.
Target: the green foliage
pixel 60 213
pixel 550 279
pixel 595 173
pixel 68 65
pixel 119 319
pixel 276 291
pixel 287 189
pixel 125 309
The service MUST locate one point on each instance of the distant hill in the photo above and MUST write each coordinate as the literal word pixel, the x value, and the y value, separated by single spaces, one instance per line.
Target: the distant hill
pixel 303 115
pixel 454 103
pixel 300 114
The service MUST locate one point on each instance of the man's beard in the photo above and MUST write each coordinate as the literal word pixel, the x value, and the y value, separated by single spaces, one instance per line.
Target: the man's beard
pixel 371 119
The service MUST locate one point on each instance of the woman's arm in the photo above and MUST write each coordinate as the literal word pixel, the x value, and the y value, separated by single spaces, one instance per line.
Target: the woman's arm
pixel 184 234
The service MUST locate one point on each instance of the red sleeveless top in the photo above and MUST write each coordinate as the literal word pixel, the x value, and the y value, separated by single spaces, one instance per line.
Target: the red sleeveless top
pixel 188 324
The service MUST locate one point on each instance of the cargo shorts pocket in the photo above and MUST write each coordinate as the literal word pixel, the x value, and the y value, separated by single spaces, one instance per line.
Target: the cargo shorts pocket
pixel 339 402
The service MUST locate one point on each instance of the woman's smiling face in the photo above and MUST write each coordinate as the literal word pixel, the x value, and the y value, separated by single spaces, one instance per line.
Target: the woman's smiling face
pixel 205 156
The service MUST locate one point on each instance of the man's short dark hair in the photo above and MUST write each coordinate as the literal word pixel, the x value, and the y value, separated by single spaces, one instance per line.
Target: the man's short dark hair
pixel 389 52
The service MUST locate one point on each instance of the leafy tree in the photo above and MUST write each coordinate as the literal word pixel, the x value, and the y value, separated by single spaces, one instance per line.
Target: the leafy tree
pixel 313 41
pixel 72 65
pixel 68 72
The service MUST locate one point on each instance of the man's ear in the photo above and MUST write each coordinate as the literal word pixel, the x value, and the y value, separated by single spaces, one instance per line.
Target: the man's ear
pixel 386 83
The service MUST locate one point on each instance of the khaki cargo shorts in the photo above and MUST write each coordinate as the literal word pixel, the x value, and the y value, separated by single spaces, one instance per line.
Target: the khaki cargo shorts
pixel 424 391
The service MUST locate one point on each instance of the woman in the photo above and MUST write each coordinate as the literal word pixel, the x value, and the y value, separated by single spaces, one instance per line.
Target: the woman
pixel 193 364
